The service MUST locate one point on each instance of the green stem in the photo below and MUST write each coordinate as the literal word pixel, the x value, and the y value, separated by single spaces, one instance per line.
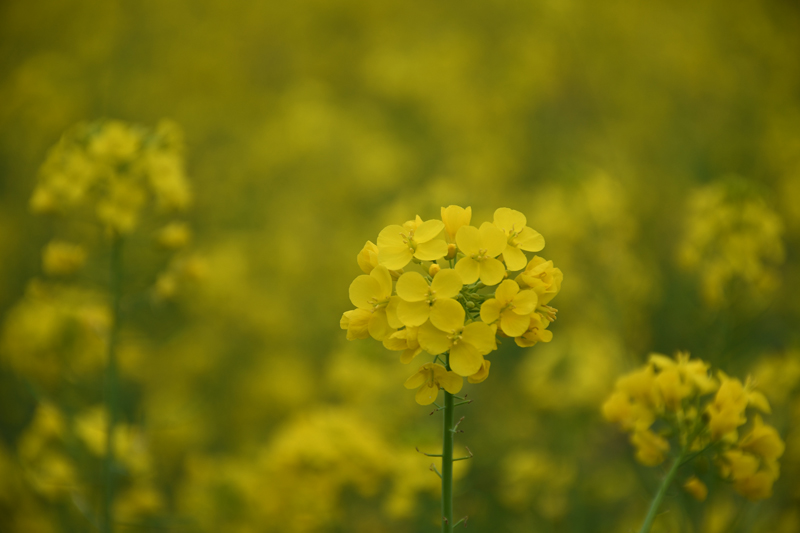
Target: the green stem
pixel 662 492
pixel 111 379
pixel 447 460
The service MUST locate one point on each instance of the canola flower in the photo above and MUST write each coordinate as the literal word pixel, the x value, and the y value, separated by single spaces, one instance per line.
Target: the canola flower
pixel 123 178
pixel 676 404
pixel 444 287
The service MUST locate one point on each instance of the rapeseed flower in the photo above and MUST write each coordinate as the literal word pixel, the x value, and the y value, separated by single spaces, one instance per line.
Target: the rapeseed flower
pixel 519 237
pixel 371 294
pixel 511 307
pixel 429 379
pixel 420 300
pixel 398 245
pixel 480 248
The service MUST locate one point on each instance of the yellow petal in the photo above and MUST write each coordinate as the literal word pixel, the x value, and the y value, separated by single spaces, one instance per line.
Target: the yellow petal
pixel 468 239
pixel 514 258
pixel 368 257
pixel 759 401
pixel 432 339
pixel 447 284
pixel 454 217
pixel 428 230
pixel 481 336
pixel 468 269
pixel 513 324
pixel 384 279
pixel 357 324
pixel 490 310
pixel 364 289
pixel 431 250
pixel 451 382
pixel 409 354
pixel 447 315
pixel 530 240
pixel 412 287
pixel 379 326
pixel 392 236
pixel 413 313
pixel 391 312
pixel 525 302
pixel 492 239
pixel 492 271
pixel 506 291
pixel 465 359
pixel 427 394
pixel 394 257
pixel 509 220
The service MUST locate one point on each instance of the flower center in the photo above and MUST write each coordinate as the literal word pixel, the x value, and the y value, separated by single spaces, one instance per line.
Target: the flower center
pixel 481 255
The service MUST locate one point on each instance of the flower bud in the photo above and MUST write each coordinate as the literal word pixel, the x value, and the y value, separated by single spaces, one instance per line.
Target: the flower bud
pixel 434 269
pixel 451 251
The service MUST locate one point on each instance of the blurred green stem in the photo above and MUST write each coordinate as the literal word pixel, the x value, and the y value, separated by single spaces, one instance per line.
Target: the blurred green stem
pixel 662 491
pixel 111 382
pixel 447 460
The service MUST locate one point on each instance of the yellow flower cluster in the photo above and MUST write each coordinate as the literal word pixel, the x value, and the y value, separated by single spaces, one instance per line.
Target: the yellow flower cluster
pixel 732 235
pixel 672 398
pixel 114 168
pixel 442 286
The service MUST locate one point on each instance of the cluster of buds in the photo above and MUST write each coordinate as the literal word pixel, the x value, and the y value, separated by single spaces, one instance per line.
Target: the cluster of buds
pixel 443 286
pixel 679 400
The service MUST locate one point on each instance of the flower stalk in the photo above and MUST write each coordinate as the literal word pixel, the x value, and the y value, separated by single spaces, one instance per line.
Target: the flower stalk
pixel 662 492
pixel 447 462
pixel 111 382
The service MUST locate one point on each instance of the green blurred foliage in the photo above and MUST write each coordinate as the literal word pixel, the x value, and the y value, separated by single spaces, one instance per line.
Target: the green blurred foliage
pixel 656 146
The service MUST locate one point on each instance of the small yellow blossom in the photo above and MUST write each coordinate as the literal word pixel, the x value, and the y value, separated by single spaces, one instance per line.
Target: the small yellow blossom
pixel 763 440
pixel 511 307
pixel 543 278
pixel 368 257
pixel 372 293
pixel 420 301
pixel 480 248
pixel 429 379
pixel 454 217
pixel 696 488
pixel 62 258
pixel 174 235
pixel 481 375
pixel 398 245
pixel 519 237
pixel 467 344
pixel 537 332
pixel 651 449
pixel 404 340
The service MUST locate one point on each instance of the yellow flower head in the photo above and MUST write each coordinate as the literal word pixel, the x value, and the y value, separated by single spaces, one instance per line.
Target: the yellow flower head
pixel 429 379
pixel 480 248
pixel 420 301
pixel 518 237
pixel 511 307
pixel 398 245
pixel 454 217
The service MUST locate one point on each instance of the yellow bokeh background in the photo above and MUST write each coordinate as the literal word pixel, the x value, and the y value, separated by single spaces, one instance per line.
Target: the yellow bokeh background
pixel 655 145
